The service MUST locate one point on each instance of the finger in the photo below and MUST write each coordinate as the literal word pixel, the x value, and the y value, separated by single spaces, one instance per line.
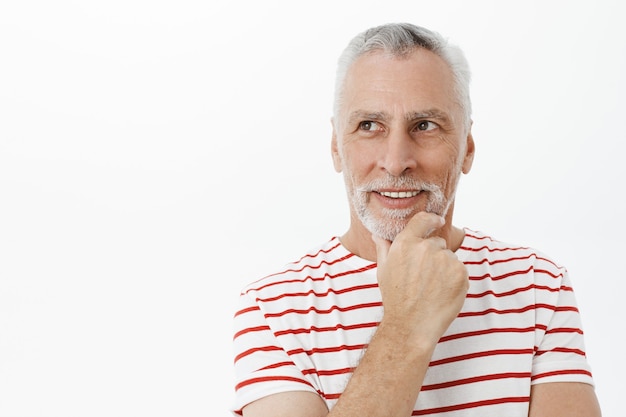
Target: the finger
pixel 382 249
pixel 439 242
pixel 423 224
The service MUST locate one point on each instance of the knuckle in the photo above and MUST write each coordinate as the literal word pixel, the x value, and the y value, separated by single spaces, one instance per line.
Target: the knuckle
pixel 460 269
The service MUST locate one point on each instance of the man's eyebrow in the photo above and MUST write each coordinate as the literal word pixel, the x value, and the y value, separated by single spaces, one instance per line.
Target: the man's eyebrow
pixel 427 114
pixel 359 115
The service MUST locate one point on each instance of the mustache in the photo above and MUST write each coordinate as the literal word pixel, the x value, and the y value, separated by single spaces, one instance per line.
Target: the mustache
pixel 404 183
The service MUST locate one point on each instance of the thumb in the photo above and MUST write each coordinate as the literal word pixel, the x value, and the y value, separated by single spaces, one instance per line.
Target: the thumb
pixel 382 249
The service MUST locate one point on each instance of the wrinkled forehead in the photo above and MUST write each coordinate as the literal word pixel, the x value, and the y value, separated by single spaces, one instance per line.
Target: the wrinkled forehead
pixel 413 83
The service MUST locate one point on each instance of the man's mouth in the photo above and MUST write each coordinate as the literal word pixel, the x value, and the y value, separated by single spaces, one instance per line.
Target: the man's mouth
pixel 399 194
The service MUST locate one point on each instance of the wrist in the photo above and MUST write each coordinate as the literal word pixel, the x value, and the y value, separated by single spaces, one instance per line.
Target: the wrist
pixel 412 343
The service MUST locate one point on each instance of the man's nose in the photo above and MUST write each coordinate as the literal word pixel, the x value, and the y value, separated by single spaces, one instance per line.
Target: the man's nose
pixel 399 154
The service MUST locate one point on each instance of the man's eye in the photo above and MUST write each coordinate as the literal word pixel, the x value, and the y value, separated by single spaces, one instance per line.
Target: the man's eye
pixel 425 125
pixel 369 126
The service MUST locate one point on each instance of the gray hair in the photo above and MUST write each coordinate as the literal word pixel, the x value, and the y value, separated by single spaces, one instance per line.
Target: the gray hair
pixel 400 39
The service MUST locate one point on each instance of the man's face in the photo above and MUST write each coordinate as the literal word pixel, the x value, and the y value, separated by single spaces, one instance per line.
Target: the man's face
pixel 400 140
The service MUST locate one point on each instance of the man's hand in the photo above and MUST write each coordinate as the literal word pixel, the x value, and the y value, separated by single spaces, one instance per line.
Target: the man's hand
pixel 423 284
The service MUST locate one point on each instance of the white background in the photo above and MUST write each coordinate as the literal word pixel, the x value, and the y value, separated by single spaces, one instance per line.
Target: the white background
pixel 155 156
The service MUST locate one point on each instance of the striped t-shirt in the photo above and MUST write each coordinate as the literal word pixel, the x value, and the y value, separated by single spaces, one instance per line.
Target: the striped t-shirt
pixel 307 326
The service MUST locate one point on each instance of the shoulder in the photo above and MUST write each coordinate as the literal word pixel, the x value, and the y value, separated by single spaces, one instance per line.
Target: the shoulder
pixel 479 248
pixel 478 241
pixel 316 262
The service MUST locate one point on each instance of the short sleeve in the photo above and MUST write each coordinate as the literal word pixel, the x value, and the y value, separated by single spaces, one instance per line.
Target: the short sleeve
pixel 262 367
pixel 560 349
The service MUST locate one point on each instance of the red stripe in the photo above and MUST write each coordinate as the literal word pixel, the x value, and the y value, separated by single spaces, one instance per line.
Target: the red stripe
pixel 567 308
pixel 521 272
pixel 511 248
pixel 329 250
pixel 565 330
pixel 331 372
pixel 323 294
pixel 327 349
pixel 487 331
pixel 258 349
pixel 518 310
pixel 539 258
pixel 327 329
pixel 327 311
pixel 512 292
pixel 562 350
pixel 482 355
pixel 545 271
pixel 250 330
pixel 474 404
pixel 481 378
pixel 269 379
pixel 311 278
pixel 278 365
pixel 563 372
pixel 499 277
pixel 247 310
pixel 507 311
pixel 498 261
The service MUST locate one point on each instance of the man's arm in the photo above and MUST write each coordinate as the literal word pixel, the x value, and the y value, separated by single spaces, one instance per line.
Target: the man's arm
pixel 287 404
pixel 423 287
pixel 563 399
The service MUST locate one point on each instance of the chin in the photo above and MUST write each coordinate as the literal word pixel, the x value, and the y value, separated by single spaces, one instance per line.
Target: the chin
pixel 391 222
pixel 387 228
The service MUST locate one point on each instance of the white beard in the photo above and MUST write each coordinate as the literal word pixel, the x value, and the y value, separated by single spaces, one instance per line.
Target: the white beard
pixel 393 221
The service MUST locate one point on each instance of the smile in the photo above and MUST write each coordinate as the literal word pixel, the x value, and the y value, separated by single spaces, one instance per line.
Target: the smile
pixel 399 194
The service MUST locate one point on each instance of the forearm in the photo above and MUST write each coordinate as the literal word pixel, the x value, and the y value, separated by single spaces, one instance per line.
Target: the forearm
pixel 567 399
pixel 388 379
pixel 423 287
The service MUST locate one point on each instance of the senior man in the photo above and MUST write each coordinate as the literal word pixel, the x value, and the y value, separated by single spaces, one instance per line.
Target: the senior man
pixel 406 314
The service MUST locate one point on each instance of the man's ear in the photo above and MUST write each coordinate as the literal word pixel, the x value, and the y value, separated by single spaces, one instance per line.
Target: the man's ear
pixel 470 148
pixel 334 150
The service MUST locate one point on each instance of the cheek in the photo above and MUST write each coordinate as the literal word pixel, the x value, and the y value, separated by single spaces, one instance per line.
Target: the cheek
pixel 358 161
pixel 435 162
pixel 454 174
pixel 443 170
